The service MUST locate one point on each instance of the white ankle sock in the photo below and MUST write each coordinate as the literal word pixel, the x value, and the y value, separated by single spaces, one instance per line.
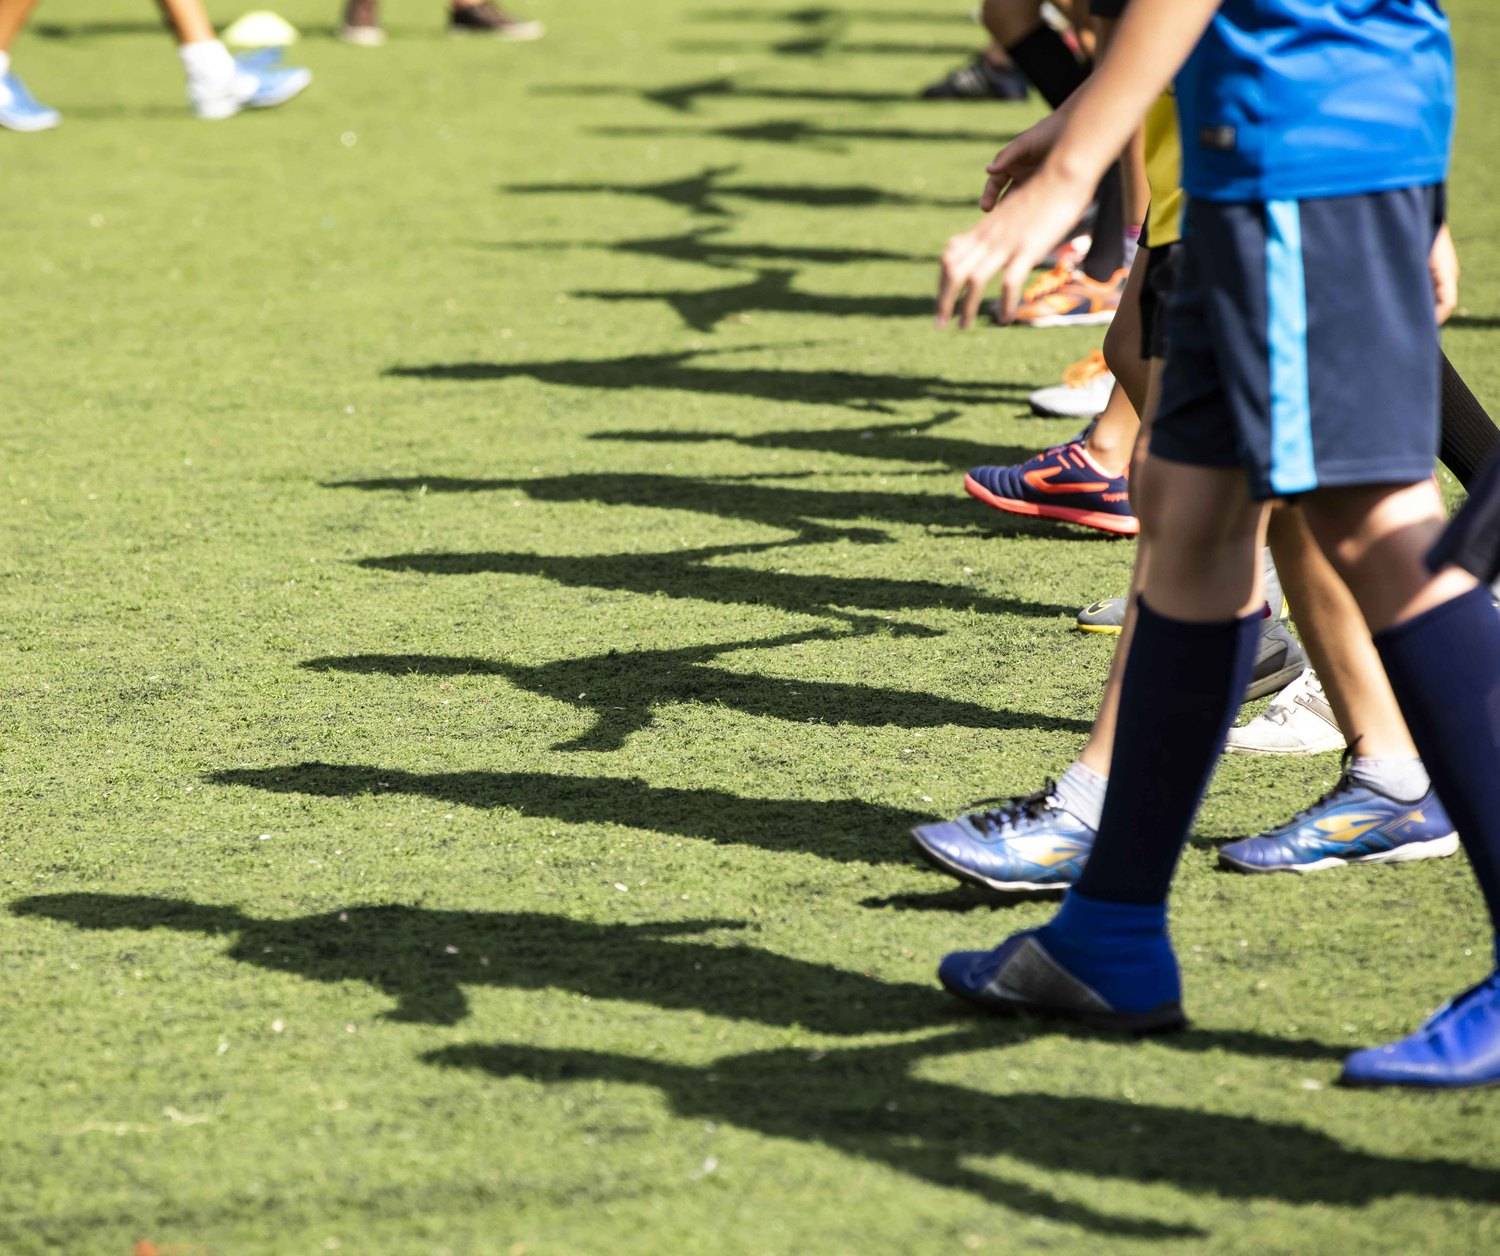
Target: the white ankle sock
pixel 4 64
pixel 207 61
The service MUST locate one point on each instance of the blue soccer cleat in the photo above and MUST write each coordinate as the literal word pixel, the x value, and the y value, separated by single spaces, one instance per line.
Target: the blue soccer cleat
pixel 21 111
pixel 274 84
pixel 1059 483
pixel 1350 824
pixel 1022 976
pixel 1457 1046
pixel 1027 844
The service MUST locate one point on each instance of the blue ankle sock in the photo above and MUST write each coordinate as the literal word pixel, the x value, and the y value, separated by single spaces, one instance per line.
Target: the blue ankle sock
pixel 1120 949
pixel 1444 666
pixel 1183 684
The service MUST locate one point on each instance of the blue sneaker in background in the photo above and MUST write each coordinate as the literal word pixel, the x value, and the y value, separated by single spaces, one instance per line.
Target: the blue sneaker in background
pixel 1458 1045
pixel 1022 976
pixel 1027 844
pixel 275 84
pixel 1059 483
pixel 21 111
pixel 1350 824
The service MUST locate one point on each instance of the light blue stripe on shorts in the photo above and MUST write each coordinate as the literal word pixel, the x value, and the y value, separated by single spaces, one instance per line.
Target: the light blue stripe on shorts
pixel 1293 469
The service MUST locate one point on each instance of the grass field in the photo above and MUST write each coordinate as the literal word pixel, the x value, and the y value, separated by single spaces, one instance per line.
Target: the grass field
pixel 487 593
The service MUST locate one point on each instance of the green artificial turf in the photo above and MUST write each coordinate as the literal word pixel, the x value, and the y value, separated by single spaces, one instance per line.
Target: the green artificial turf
pixel 486 593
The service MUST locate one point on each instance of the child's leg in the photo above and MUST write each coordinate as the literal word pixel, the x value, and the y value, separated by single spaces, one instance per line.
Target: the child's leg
pixel 1439 638
pixel 13 18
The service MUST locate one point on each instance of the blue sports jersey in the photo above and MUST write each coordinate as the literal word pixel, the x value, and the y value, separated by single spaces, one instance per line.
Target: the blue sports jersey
pixel 1293 99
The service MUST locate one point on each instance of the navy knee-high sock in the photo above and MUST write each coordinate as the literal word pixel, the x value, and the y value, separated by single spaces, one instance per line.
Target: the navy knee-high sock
pixel 1444 667
pixel 1183 684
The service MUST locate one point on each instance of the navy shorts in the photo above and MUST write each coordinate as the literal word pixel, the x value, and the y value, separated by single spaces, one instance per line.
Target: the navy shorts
pixel 1302 344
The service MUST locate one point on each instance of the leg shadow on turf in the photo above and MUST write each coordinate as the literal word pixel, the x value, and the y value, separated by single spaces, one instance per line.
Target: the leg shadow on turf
pixel 866 1102
pixel 623 689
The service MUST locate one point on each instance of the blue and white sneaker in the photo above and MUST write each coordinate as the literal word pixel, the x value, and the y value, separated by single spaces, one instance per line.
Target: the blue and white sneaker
pixel 258 82
pixel 1026 844
pixel 1021 976
pixel 1351 823
pixel 21 111
pixel 1458 1045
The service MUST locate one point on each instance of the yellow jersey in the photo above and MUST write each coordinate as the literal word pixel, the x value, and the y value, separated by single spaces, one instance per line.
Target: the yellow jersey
pixel 1163 145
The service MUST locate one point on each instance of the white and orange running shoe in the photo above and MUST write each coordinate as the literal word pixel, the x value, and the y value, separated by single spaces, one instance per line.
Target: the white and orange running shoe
pixel 1070 300
pixel 1083 393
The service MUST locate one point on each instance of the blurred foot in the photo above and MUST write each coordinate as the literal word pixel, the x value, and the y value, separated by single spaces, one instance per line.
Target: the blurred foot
pixel 1071 300
pixel 488 18
pixel 1459 1045
pixel 361 24
pixel 979 79
pixel 21 111
pixel 1083 394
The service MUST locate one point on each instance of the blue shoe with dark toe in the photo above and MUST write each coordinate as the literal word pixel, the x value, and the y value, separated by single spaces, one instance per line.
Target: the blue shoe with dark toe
pixel 1458 1046
pixel 1027 844
pixel 1133 993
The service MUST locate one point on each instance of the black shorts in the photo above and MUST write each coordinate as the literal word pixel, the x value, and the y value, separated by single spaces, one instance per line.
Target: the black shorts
pixel 1301 342
pixel 1472 540
pixel 1156 298
pixel 1107 8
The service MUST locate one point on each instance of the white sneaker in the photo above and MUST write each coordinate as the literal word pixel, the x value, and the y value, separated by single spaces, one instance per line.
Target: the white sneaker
pixel 1298 721
pixel 1083 393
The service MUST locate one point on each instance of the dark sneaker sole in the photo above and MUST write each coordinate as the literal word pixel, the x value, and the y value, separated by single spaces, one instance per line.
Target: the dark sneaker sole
pixel 1411 852
pixel 1275 682
pixel 1374 1083
pixel 1162 1020
pixel 942 864
pixel 1119 525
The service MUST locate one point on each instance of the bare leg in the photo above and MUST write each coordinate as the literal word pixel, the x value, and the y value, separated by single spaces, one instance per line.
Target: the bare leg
pixel 13 18
pixel 1338 643
pixel 188 20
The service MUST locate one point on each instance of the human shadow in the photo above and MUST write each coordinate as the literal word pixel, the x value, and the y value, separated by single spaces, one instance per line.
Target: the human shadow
pixel 704 246
pixel 706 192
pixel 768 291
pixel 803 134
pixel 1485 321
pixel 813 15
pixel 891 442
pixel 672 372
pixel 867 1102
pixel 685 97
pixel 844 830
pixel 803 511
pixel 424 959
pixel 822 45
pixel 692 575
pixel 623 690
pixel 95 30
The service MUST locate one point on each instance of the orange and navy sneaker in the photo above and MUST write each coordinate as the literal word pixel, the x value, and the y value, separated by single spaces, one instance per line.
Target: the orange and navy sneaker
pixel 1059 483
pixel 1070 300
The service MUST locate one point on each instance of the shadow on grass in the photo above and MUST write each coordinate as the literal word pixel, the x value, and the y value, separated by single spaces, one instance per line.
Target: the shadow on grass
pixel 688 574
pixel 704 246
pixel 623 689
pixel 804 511
pixel 865 1102
pixel 424 958
pixel 958 899
pixel 684 97
pixel 704 193
pixel 810 135
pixel 846 830
pixel 671 372
pixel 893 442
pixel 770 291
